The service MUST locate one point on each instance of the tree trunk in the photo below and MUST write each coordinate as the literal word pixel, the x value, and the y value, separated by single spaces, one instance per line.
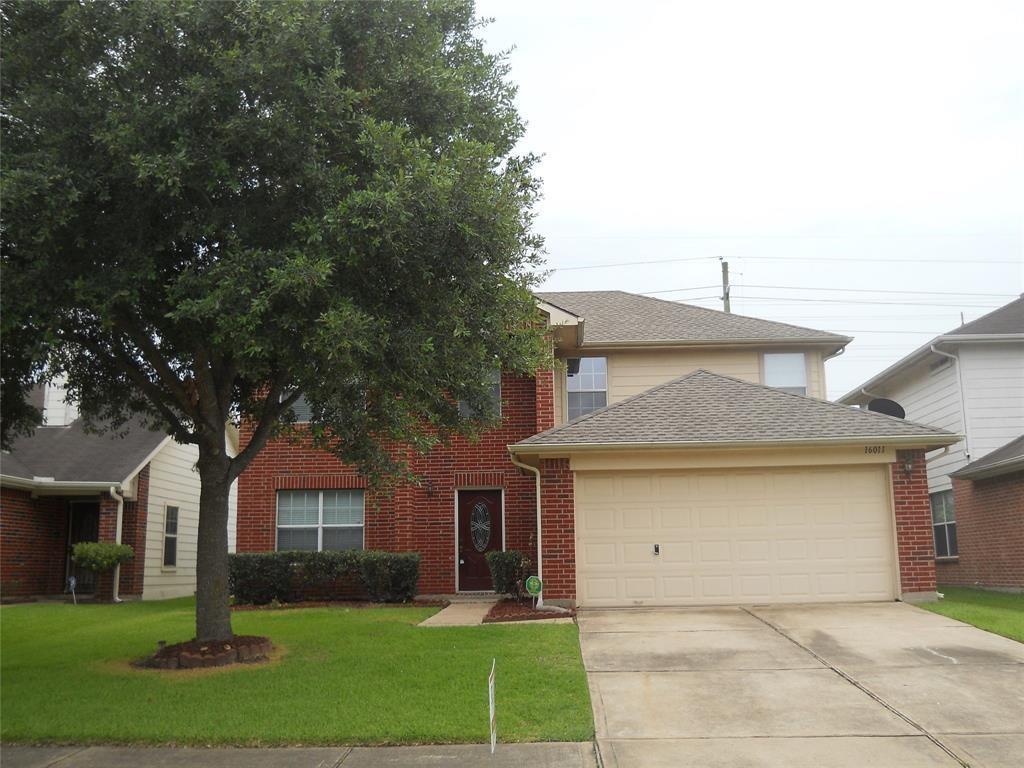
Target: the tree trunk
pixel 213 610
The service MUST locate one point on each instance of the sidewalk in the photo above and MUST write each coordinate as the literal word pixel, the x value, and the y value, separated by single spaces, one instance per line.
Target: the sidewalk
pixel 540 755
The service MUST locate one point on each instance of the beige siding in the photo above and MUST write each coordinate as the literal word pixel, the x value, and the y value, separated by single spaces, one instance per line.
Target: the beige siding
pixel 559 393
pixel 174 481
pixel 632 371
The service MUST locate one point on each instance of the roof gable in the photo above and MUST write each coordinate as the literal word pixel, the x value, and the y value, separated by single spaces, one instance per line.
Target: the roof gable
pixel 1003 460
pixel 708 408
pixel 617 317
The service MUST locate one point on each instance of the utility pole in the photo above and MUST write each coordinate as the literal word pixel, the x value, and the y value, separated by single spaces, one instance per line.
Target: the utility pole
pixel 725 284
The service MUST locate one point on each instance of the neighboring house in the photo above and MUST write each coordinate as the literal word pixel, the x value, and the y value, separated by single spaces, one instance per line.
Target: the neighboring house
pixel 62 485
pixel 679 455
pixel 969 381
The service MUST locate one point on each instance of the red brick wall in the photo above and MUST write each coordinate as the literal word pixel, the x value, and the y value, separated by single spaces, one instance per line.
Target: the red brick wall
pixel 133 533
pixel 989 532
pixel 914 541
pixel 416 517
pixel 559 529
pixel 33 544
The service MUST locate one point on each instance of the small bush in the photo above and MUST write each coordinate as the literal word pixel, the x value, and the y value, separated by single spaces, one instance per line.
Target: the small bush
pixel 390 577
pixel 509 570
pixel 100 556
pixel 264 577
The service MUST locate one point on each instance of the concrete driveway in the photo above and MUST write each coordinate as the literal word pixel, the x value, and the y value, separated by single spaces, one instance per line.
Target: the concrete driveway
pixel 812 686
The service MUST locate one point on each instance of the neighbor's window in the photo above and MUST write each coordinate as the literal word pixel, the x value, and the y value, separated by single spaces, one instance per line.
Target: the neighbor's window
pixel 170 537
pixel 314 521
pixel 587 385
pixel 786 371
pixel 493 407
pixel 944 524
pixel 303 412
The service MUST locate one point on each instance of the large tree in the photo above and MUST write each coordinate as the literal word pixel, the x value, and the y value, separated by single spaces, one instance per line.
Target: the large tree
pixel 211 207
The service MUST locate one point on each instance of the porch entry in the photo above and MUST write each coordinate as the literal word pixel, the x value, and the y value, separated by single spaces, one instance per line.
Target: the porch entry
pixel 479 530
pixel 84 525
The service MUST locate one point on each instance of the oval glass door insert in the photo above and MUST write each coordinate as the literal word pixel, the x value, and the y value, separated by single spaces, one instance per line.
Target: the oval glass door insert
pixel 480 526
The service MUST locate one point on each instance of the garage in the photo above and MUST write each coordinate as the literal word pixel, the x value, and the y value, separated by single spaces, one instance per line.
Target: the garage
pixel 784 534
pixel 710 490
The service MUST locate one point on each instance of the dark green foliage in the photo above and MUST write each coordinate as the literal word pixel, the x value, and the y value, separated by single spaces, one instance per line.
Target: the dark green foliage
pixel 290 576
pixel 211 206
pixel 100 556
pixel 509 570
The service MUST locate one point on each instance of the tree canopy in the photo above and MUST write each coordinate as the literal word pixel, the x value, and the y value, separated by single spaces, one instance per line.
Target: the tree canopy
pixel 211 207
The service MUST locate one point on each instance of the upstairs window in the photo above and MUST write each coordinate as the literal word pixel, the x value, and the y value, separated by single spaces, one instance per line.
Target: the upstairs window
pixel 944 524
pixel 301 408
pixel 786 371
pixel 314 521
pixel 494 404
pixel 587 385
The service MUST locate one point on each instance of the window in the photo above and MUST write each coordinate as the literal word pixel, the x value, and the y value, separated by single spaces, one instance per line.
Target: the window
pixel 301 408
pixel 170 537
pixel 786 371
pixel 944 524
pixel 493 407
pixel 587 385
pixel 315 521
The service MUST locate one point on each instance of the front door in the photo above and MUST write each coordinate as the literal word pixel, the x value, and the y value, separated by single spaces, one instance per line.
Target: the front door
pixel 85 526
pixel 479 532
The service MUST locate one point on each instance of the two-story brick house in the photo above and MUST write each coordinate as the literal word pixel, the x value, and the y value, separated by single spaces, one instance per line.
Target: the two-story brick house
pixel 675 455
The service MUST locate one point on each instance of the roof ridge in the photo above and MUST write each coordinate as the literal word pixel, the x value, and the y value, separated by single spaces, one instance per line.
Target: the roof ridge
pixel 833 403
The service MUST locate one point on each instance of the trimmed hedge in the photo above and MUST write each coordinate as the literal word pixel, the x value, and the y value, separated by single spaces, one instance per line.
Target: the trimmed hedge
pixel 100 556
pixel 289 577
pixel 509 570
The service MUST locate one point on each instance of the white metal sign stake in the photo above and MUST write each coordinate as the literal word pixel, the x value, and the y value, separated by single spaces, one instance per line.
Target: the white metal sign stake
pixel 490 701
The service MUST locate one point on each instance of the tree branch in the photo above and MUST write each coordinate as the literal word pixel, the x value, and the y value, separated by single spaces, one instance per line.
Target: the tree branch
pixel 151 353
pixel 273 406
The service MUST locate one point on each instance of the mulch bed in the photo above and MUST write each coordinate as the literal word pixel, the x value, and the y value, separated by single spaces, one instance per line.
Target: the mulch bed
pixel 340 604
pixel 514 610
pixel 241 649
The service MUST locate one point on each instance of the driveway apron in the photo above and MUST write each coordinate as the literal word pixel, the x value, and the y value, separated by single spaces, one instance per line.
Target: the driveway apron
pixel 812 685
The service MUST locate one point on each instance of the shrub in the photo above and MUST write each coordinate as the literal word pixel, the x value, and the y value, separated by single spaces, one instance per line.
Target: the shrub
pixel 509 570
pixel 100 556
pixel 388 576
pixel 264 577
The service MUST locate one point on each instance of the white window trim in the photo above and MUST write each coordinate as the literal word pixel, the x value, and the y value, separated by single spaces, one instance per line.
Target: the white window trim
pixel 320 517
pixel 176 536
pixel 607 386
pixel 783 388
pixel 945 524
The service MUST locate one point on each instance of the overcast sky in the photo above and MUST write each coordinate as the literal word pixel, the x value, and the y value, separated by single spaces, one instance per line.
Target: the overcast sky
pixel 876 148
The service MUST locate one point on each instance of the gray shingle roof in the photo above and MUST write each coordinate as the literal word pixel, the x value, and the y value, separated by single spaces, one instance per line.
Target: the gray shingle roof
pixel 1006 319
pixel 1009 458
pixel 705 407
pixel 70 454
pixel 617 317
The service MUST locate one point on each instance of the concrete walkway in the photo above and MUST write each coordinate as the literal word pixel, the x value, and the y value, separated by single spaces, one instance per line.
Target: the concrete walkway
pixel 829 686
pixel 546 755
pixel 467 613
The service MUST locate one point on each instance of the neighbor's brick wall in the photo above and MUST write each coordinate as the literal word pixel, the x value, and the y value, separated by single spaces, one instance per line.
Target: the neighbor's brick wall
pixel 133 533
pixel 559 529
pixel 989 532
pixel 409 517
pixel 33 544
pixel 914 540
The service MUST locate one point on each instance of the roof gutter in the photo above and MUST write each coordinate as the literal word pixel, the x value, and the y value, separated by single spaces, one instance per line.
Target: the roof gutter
pixel 908 441
pixel 117 538
pixel 992 470
pixel 841 341
pixel 55 487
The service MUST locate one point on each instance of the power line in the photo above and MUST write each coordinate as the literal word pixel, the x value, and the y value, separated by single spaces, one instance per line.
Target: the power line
pixel 632 263
pixel 852 290
pixel 890 302
pixel 819 259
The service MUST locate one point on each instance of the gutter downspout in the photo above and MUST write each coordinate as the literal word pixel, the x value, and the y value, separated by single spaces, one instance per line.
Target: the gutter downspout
pixel 117 537
pixel 960 386
pixel 540 548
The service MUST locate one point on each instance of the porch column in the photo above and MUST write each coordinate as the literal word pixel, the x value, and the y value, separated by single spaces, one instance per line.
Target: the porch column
pixel 915 543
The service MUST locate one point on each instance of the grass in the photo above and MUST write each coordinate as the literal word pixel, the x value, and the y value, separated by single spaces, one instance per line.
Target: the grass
pixel 346 676
pixel 999 612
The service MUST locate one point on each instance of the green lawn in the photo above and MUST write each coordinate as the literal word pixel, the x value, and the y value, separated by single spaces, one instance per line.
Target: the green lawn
pixel 999 612
pixel 346 676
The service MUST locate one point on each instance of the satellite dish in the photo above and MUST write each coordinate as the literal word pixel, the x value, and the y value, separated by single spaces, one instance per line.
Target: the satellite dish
pixel 888 407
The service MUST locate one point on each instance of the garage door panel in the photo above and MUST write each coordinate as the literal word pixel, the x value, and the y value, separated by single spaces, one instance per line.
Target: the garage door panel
pixel 796 535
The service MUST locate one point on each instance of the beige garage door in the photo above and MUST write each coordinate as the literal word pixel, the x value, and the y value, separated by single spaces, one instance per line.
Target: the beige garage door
pixel 733 536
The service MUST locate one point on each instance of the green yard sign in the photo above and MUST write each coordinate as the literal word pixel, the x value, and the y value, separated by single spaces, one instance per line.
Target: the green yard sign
pixel 533 586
